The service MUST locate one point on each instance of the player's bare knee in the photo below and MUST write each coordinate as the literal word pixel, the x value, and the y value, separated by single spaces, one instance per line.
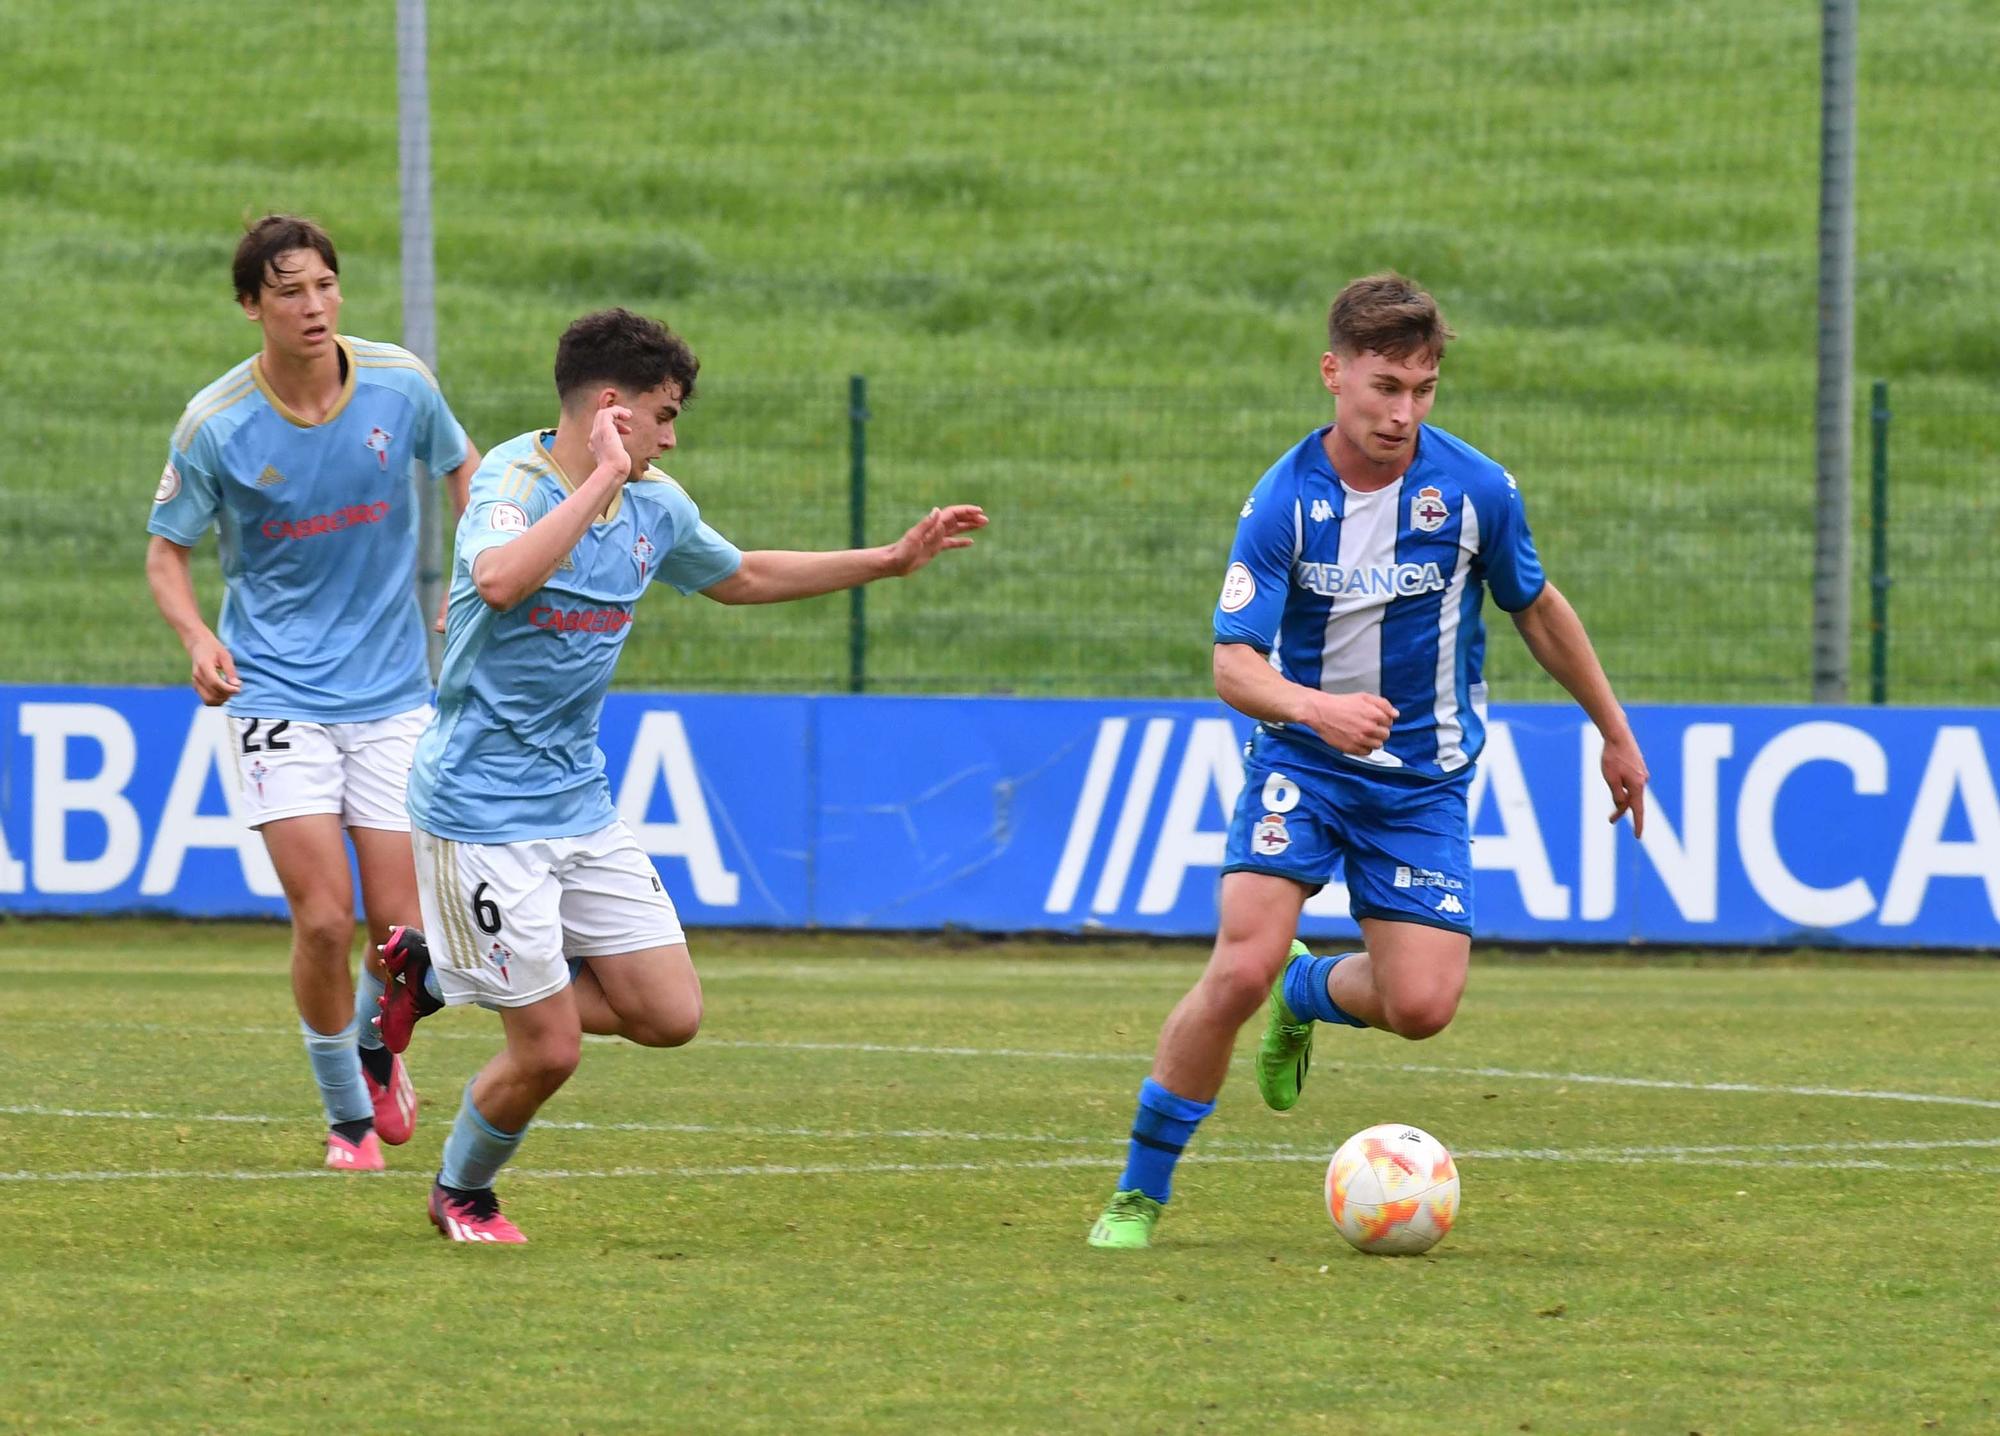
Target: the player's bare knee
pixel 1424 1015
pixel 551 1061
pixel 1237 985
pixel 323 932
pixel 665 1029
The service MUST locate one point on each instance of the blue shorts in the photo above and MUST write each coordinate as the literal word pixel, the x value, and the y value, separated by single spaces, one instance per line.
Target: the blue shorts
pixel 1404 842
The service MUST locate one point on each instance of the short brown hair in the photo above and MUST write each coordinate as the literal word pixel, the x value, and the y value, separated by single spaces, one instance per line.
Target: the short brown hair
pixel 616 346
pixel 265 239
pixel 1389 315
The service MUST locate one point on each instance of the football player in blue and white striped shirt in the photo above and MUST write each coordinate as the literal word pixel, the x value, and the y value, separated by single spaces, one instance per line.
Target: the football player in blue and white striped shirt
pixel 1349 626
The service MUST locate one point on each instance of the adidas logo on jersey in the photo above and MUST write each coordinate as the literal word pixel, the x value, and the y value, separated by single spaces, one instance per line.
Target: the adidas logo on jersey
pixel 269 477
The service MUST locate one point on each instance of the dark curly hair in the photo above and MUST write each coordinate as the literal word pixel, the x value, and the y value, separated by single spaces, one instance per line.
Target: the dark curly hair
pixel 265 239
pixel 616 346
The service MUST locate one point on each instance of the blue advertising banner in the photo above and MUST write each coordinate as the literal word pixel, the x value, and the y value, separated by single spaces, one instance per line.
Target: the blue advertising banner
pixel 1765 826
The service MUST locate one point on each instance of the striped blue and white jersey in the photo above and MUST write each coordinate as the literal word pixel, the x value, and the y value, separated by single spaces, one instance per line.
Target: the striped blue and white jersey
pixel 1380 592
pixel 317 531
pixel 512 754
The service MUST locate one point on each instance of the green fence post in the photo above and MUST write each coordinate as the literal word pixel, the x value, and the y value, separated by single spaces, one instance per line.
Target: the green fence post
pixel 1878 547
pixel 857 528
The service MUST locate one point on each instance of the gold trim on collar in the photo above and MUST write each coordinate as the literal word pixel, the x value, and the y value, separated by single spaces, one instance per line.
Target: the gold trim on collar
pixel 548 457
pixel 286 412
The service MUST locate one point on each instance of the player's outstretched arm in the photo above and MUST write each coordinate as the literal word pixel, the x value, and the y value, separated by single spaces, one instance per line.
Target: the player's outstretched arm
pixel 1353 723
pixel 780 575
pixel 1555 636
pixel 459 484
pixel 169 576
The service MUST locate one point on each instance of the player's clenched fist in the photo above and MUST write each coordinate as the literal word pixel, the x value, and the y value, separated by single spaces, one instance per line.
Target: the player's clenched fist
pixel 1355 723
pixel 214 672
pixel 607 439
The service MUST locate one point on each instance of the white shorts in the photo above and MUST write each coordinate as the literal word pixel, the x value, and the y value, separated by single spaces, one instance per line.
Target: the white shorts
pixel 289 767
pixel 504 918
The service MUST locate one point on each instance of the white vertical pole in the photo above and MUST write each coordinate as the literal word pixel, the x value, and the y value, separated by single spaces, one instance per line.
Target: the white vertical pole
pixel 1833 419
pixel 413 147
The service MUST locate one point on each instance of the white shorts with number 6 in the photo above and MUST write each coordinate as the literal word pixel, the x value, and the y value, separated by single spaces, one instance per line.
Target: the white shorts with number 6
pixel 287 768
pixel 504 918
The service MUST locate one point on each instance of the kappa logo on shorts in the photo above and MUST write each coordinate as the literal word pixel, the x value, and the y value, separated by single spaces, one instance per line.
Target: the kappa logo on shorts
pixel 1450 903
pixel 1270 837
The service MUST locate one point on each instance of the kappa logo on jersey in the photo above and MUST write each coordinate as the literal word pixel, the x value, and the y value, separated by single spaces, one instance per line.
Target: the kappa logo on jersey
pixel 507 518
pixel 1238 588
pixel 1244 512
pixel 1320 512
pixel 346 518
pixel 1270 837
pixel 579 620
pixel 642 550
pixel 1391 580
pixel 269 477
pixel 169 485
pixel 378 442
pixel 1450 903
pixel 1427 510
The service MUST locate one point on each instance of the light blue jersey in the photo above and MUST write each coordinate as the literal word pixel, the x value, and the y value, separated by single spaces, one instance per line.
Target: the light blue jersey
pixel 1380 592
pixel 317 530
pixel 512 754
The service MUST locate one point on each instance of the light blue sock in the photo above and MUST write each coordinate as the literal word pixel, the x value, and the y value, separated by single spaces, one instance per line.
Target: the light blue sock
pixel 338 1072
pixel 1160 1131
pixel 1307 994
pixel 431 983
pixel 368 990
pixel 476 1149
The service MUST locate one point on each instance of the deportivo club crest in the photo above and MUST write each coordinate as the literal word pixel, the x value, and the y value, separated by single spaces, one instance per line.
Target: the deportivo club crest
pixel 642 551
pixel 1269 837
pixel 1427 510
pixel 378 440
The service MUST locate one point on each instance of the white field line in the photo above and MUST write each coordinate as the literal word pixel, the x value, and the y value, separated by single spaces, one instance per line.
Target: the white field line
pixel 900 1168
pixel 1276 1151
pixel 1508 1074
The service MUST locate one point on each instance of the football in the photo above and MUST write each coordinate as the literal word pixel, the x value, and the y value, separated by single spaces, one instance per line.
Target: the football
pixel 1392 1190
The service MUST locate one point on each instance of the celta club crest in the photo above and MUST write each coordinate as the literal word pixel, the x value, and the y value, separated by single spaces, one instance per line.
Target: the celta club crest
pixel 1427 510
pixel 378 441
pixel 258 773
pixel 498 956
pixel 642 551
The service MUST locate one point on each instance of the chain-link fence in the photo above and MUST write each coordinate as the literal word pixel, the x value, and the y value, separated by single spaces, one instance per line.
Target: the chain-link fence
pixel 1081 252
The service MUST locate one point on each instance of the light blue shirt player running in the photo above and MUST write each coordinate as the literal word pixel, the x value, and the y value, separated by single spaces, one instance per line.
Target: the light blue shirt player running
pixel 317 531
pixel 513 754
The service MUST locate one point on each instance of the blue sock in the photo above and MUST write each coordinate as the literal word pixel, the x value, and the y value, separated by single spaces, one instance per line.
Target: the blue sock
pixel 476 1149
pixel 338 1072
pixel 368 990
pixel 1160 1130
pixel 1306 990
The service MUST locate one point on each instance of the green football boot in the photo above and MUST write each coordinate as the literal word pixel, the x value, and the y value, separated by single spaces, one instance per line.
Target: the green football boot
pixel 1286 1051
pixel 1127 1224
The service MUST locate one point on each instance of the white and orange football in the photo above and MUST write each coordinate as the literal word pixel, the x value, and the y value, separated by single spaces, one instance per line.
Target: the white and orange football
pixel 1392 1190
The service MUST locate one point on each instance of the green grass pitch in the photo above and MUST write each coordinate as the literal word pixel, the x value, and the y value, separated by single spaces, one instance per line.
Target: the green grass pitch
pixel 1715 1195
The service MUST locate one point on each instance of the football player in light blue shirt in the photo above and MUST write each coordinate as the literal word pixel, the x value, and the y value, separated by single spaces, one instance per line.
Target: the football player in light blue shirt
pixel 1349 626
pixel 309 459
pixel 537 898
